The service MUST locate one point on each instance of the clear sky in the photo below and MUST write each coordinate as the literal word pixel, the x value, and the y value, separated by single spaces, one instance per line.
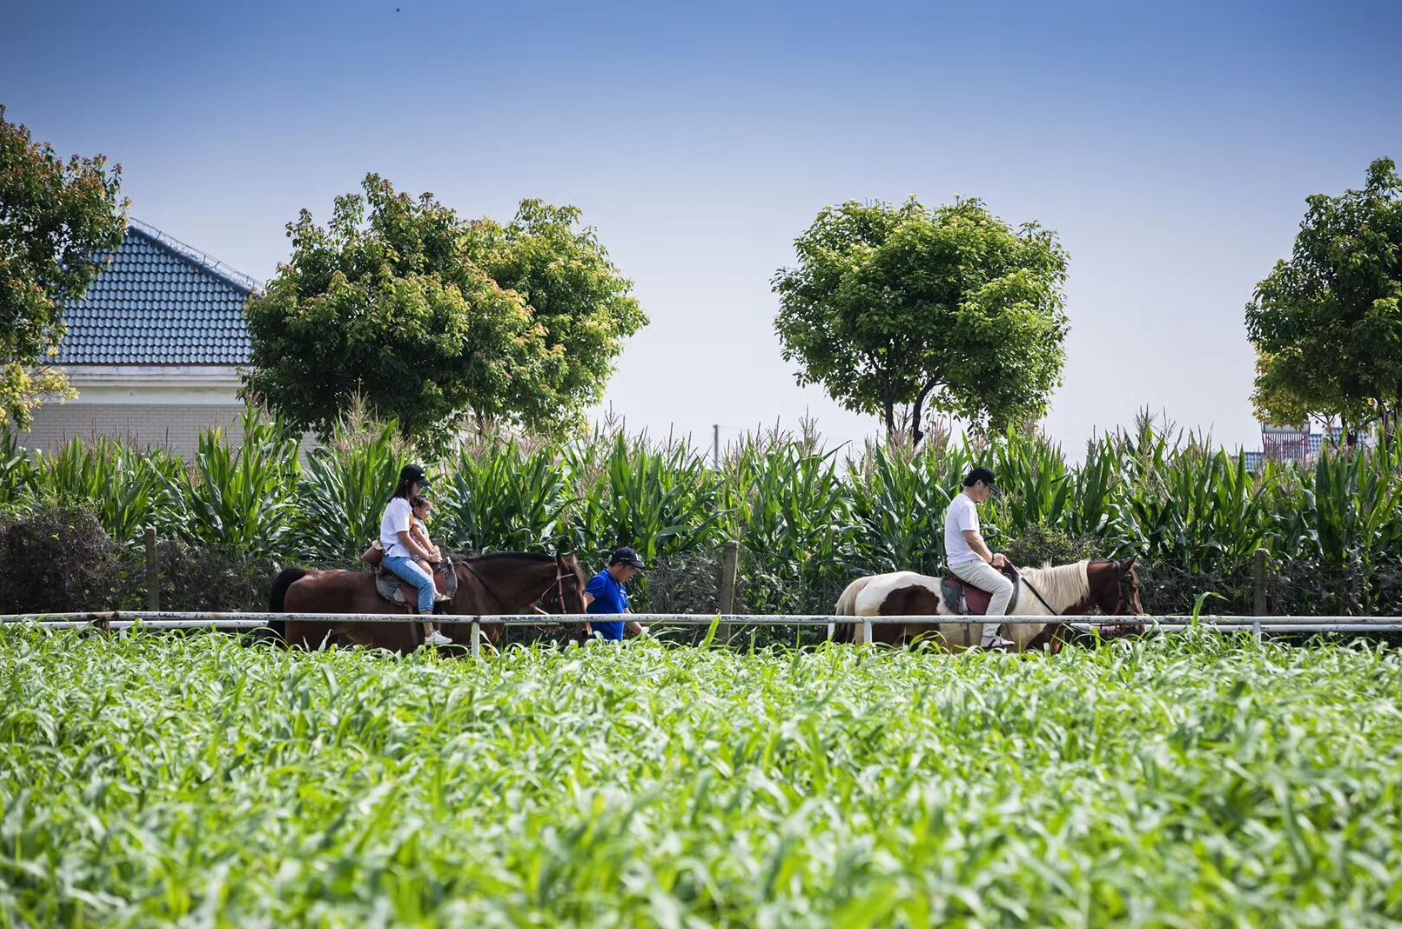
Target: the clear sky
pixel 1171 145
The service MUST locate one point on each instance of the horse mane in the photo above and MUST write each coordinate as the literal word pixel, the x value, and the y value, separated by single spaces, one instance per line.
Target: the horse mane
pixel 519 556
pixel 1064 586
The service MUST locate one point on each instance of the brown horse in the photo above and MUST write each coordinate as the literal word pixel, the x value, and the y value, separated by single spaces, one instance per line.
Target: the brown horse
pixel 489 584
pixel 1069 590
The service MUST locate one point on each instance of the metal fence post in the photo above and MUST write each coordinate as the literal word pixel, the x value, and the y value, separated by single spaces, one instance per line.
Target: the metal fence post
pixel 476 639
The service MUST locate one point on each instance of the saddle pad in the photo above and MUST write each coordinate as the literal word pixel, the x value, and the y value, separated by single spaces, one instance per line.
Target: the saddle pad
pixel 400 592
pixel 964 599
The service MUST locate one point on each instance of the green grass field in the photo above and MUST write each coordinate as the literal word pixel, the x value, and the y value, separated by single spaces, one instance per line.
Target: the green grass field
pixel 1182 782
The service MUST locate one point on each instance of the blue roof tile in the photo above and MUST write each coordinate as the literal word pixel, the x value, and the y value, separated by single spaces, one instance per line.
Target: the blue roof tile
pixel 158 304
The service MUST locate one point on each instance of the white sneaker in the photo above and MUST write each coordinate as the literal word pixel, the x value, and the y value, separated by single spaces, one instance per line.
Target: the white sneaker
pixel 997 642
pixel 437 638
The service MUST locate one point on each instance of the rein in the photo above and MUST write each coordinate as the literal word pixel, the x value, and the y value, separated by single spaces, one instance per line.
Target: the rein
pixel 1035 592
pixel 1122 582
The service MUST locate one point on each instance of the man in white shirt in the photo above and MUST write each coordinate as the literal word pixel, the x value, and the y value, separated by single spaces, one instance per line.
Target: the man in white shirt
pixel 969 557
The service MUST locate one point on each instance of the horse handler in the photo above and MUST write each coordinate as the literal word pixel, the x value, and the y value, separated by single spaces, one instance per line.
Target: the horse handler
pixel 968 555
pixel 607 594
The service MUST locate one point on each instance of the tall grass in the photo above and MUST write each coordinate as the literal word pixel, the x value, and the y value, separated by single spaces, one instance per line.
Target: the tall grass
pixel 808 520
pixel 126 489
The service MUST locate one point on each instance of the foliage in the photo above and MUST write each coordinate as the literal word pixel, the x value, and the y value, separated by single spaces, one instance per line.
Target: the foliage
pixel 1039 545
pixel 343 491
pixel 179 781
pixel 573 292
pixel 217 578
pixel 1327 324
pixel 57 560
pixel 906 310
pixel 17 473
pixel 126 490
pixel 56 217
pixel 240 497
pixel 395 301
pixel 808 520
pixel 508 499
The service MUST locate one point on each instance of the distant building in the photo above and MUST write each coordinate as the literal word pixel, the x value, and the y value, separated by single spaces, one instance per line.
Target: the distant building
pixel 1284 443
pixel 153 349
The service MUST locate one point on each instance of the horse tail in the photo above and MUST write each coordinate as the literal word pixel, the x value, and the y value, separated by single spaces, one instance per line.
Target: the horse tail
pixel 278 596
pixel 846 606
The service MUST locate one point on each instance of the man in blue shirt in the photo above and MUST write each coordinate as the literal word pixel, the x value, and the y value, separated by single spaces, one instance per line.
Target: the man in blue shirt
pixel 607 594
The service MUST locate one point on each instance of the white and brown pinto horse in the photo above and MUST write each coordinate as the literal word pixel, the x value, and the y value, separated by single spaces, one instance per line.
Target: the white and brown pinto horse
pixel 1065 590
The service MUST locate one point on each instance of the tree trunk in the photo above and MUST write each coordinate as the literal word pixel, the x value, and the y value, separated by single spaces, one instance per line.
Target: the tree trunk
pixel 918 415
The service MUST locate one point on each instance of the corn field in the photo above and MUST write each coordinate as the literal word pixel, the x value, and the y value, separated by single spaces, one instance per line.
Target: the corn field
pixel 1184 781
pixel 808 520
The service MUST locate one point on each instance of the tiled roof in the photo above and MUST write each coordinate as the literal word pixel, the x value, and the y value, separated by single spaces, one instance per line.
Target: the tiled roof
pixel 158 303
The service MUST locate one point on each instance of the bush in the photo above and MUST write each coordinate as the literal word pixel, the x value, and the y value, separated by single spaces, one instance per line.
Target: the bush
pixel 59 560
pixel 213 578
pixel 1042 545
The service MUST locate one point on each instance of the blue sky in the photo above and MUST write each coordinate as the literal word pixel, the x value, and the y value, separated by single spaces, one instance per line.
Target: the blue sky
pixel 1170 145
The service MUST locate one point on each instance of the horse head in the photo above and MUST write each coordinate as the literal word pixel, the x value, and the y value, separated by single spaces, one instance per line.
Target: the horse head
pixel 565 594
pixel 1114 590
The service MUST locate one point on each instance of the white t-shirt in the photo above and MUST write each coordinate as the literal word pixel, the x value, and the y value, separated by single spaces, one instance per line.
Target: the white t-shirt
pixel 961 516
pixel 395 521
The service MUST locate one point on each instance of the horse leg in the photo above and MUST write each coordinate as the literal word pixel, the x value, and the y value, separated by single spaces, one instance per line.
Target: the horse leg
pixel 400 638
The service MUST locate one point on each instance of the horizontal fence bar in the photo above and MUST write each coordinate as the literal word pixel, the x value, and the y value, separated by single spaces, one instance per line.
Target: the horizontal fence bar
pixel 233 625
pixel 158 619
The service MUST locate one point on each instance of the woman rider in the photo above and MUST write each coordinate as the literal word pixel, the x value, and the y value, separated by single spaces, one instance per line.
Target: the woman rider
pixel 400 547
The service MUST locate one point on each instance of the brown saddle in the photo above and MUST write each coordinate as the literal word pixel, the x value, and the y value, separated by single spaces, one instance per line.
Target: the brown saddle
pixel 964 599
pixel 400 592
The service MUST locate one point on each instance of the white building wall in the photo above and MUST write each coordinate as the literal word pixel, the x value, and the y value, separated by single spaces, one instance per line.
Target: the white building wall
pixel 161 407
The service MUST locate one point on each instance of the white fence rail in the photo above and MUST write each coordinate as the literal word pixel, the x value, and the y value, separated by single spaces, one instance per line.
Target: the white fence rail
pixel 162 619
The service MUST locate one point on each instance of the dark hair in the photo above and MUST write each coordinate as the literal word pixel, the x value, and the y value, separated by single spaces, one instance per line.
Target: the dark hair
pixel 978 475
pixel 405 487
pixel 417 502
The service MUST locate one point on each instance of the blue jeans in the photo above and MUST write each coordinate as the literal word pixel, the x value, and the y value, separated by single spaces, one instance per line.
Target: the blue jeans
pixel 406 568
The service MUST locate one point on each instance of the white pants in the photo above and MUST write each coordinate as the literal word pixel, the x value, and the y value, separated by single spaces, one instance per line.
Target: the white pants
pixel 986 577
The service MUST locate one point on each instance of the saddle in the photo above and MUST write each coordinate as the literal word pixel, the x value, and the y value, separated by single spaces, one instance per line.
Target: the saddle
pixel 964 599
pixel 394 589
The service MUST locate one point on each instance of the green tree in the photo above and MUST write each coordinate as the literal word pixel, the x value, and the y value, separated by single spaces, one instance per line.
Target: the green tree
pixel 573 291
pixel 1326 324
pixel 431 318
pixel 55 217
pixel 899 311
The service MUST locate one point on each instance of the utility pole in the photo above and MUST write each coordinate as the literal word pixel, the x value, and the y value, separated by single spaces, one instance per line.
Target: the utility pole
pixel 715 445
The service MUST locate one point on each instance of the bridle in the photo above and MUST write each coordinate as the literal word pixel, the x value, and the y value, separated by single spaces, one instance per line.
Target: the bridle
pixel 559 585
pixel 1124 599
pixel 1124 587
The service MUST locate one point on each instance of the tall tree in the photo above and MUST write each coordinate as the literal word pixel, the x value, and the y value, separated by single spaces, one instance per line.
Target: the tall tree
pixel 431 318
pixel 573 291
pixel 56 216
pixel 899 311
pixel 1327 324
